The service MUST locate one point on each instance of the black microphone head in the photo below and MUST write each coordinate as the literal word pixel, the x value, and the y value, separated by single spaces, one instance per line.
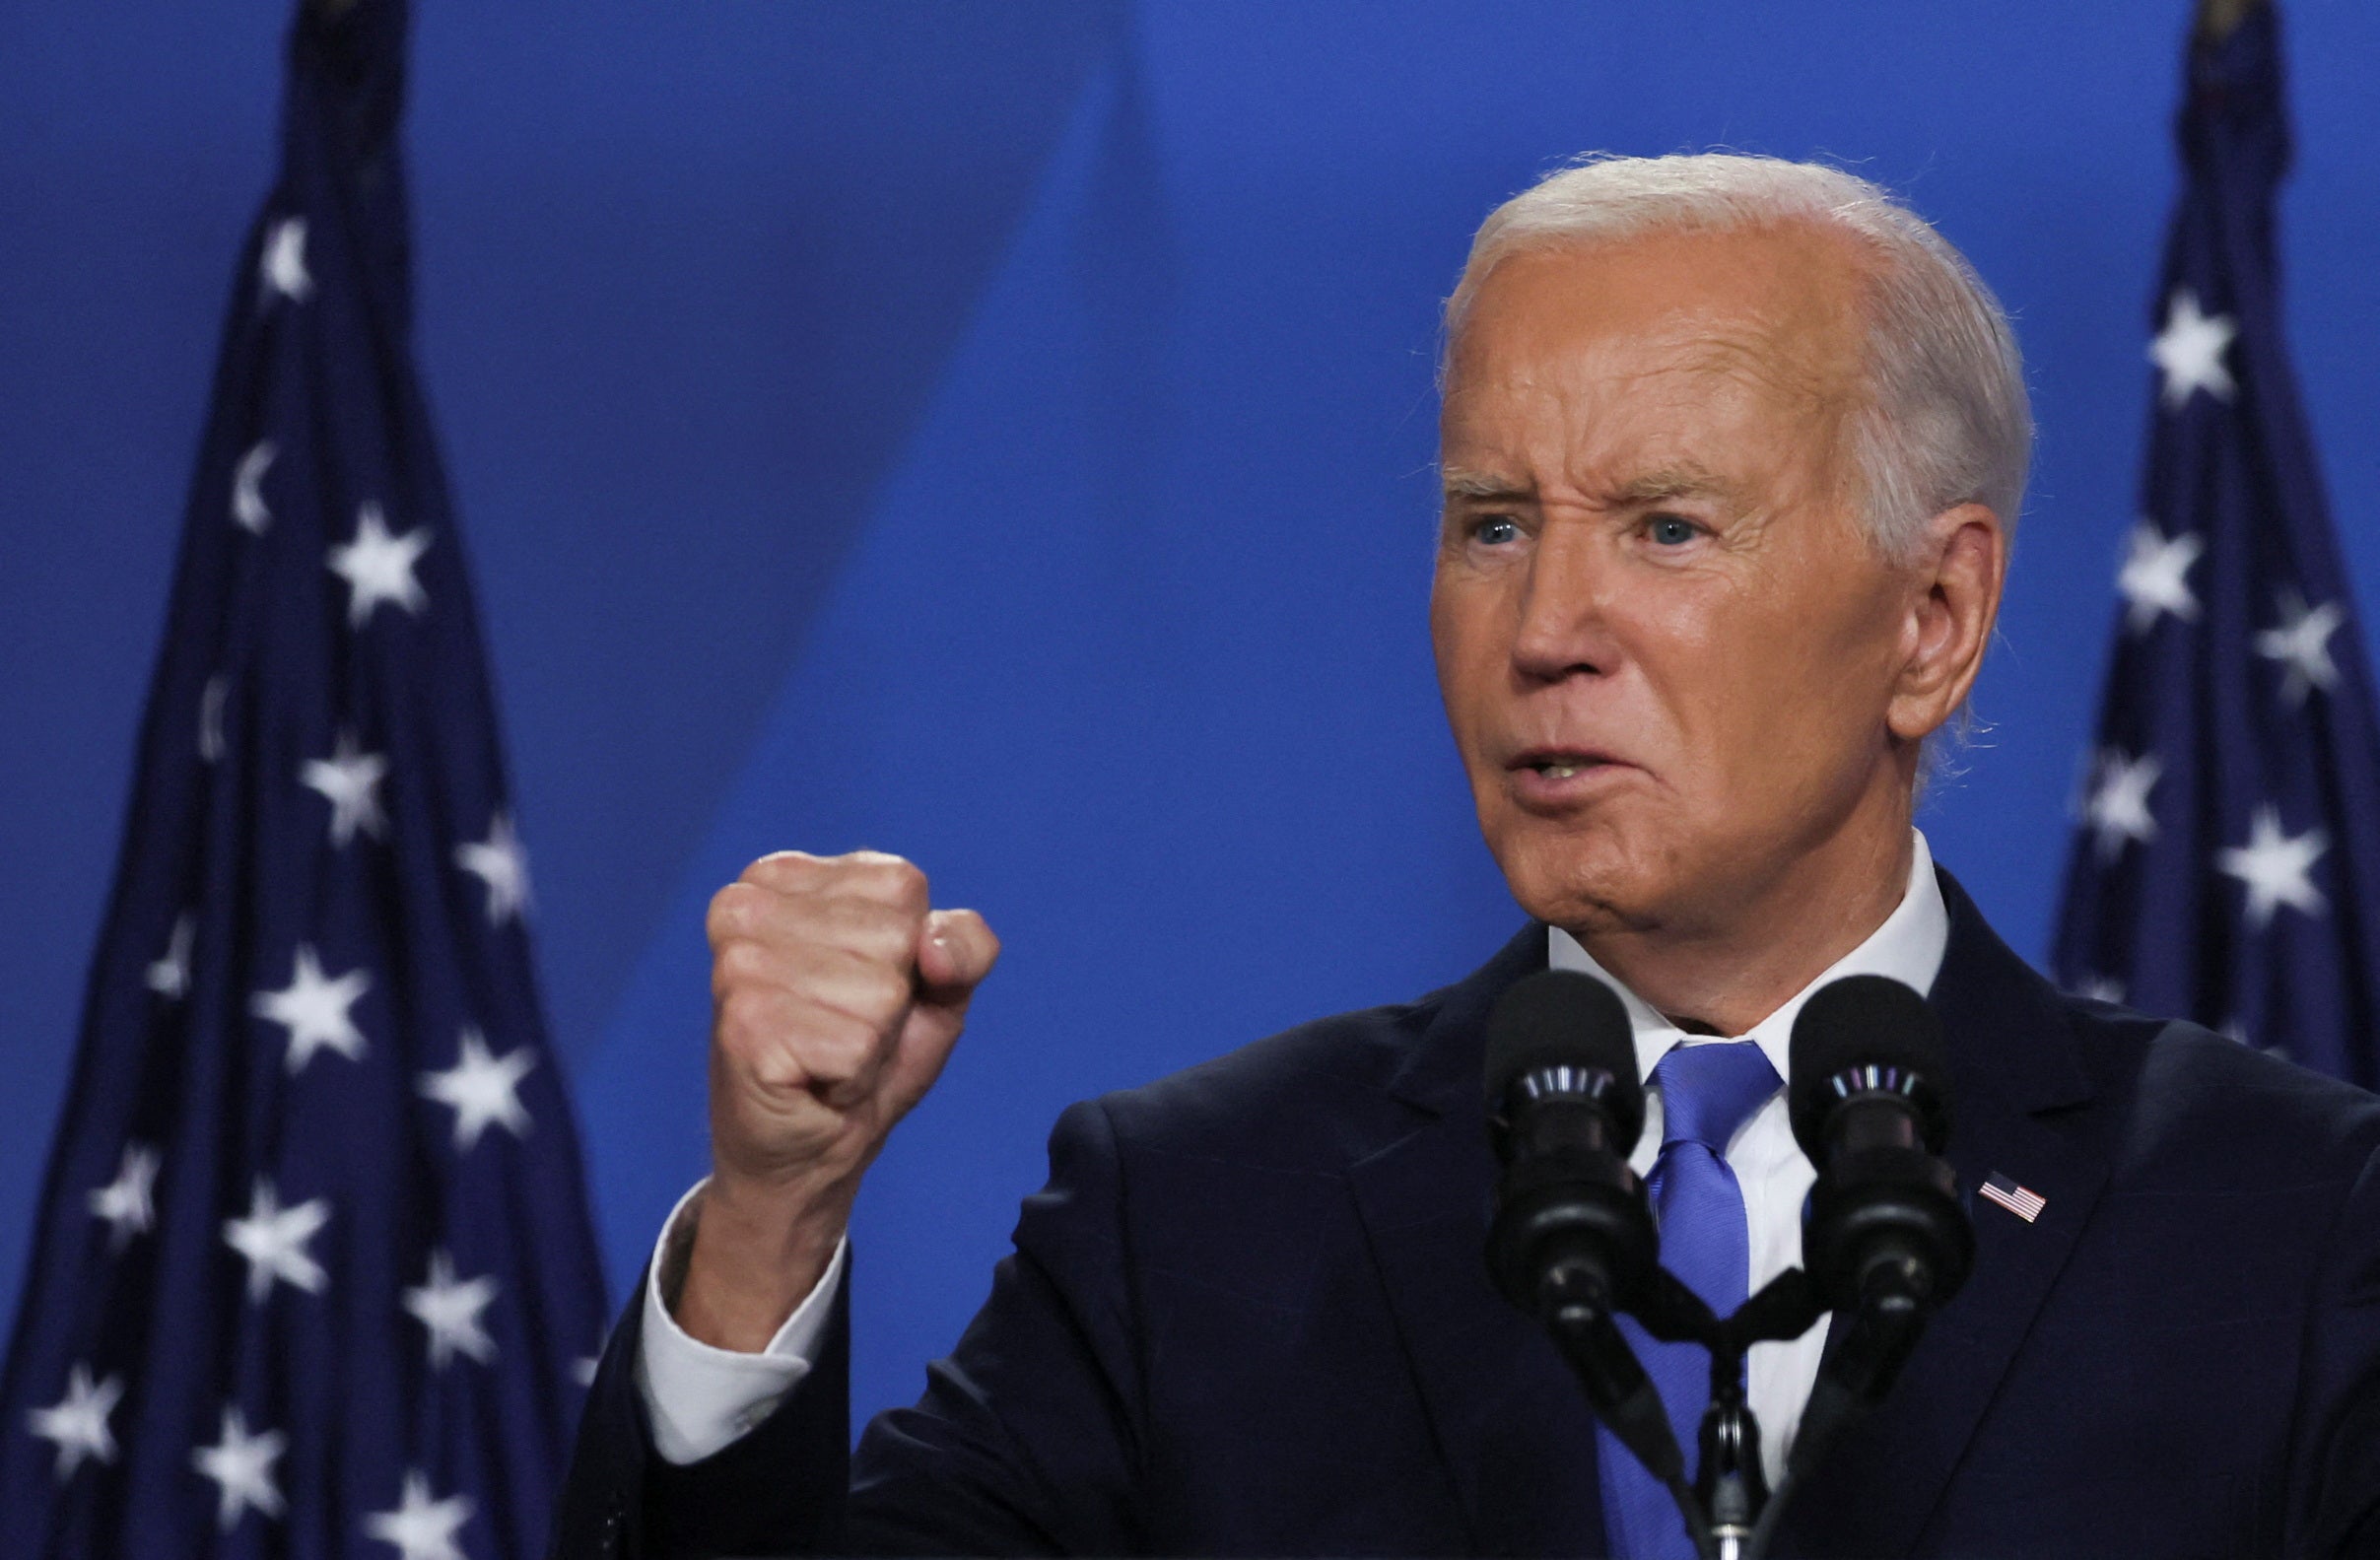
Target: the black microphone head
pixel 1881 1028
pixel 1555 1031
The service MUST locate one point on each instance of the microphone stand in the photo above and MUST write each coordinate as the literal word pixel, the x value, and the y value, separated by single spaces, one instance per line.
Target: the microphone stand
pixel 1729 1511
pixel 1857 1372
pixel 1744 1510
pixel 1624 1398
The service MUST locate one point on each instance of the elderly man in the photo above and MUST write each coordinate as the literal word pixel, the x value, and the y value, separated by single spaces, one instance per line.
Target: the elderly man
pixel 1733 449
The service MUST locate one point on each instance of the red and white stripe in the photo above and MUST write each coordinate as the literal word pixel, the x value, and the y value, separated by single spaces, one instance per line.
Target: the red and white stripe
pixel 2025 1203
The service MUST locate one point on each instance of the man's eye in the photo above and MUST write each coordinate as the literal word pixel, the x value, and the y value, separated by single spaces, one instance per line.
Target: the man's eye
pixel 1495 530
pixel 1668 530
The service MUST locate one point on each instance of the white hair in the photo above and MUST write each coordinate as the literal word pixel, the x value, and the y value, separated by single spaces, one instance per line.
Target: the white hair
pixel 1944 419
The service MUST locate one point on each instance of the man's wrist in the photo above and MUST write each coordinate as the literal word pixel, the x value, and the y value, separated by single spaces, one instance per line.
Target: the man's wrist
pixel 750 1260
pixel 698 1398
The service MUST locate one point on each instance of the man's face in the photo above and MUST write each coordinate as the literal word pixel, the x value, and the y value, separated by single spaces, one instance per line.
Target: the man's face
pixel 1665 648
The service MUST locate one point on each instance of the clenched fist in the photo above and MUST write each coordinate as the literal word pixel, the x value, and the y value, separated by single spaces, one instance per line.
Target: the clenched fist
pixel 837 992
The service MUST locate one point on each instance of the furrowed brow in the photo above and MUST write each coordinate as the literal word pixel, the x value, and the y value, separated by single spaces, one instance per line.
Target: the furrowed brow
pixel 1677 482
pixel 1479 487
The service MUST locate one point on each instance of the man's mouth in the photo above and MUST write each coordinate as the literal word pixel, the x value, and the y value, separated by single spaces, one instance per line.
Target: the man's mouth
pixel 1560 764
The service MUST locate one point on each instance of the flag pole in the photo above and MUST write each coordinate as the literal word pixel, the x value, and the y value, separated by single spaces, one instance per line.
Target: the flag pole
pixel 2218 20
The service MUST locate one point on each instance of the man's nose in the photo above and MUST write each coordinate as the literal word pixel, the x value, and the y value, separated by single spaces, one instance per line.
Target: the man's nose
pixel 1565 626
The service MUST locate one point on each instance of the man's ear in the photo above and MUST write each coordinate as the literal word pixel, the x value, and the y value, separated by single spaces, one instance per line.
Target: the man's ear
pixel 1953 601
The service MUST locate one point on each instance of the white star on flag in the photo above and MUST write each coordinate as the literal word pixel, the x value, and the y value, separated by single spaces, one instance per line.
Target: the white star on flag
pixel 2119 805
pixel 2276 867
pixel 420 1528
pixel 125 1202
pixel 2301 643
pixel 210 718
pixel 2155 576
pixel 378 566
pixel 450 1310
pixel 501 863
pixel 78 1422
pixel 481 1089
pixel 350 781
pixel 248 501
pixel 283 265
pixel 273 1239
pixel 170 975
pixel 315 1010
pixel 2190 350
pixel 242 1467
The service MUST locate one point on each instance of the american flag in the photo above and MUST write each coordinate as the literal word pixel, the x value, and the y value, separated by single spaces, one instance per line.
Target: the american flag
pixel 314 1273
pixel 2227 866
pixel 2023 1201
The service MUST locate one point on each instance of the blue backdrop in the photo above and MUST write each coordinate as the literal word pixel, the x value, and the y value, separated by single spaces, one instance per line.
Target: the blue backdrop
pixel 1002 434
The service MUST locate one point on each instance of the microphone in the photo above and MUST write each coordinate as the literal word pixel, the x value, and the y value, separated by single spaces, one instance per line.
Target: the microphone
pixel 1564 1110
pixel 1885 1237
pixel 1573 1241
pixel 1871 1106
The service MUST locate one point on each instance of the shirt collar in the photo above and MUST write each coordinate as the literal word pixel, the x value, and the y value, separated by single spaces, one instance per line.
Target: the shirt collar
pixel 1908 947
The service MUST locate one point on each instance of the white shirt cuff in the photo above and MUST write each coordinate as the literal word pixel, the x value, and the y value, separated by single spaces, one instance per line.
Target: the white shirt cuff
pixel 701 1398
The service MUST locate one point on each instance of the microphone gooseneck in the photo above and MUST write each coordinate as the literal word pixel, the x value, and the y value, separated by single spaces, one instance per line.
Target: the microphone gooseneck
pixel 1885 1240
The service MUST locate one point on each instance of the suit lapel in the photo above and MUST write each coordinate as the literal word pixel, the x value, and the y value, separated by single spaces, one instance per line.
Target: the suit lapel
pixel 1513 1431
pixel 2013 1070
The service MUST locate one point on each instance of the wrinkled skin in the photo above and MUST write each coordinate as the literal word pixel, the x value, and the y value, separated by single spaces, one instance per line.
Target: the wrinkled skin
pixel 1651 573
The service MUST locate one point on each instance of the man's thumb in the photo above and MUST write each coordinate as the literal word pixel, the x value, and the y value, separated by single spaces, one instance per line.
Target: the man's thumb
pixel 955 951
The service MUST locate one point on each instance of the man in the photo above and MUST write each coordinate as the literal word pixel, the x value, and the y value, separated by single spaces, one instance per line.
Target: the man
pixel 1731 450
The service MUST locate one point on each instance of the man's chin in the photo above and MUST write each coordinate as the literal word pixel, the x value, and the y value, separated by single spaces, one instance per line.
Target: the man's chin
pixel 1584 891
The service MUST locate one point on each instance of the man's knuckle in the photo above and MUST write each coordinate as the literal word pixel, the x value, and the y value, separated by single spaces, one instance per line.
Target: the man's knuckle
pixel 880 992
pixel 781 870
pixel 740 909
pixel 907 880
pixel 843 1050
pixel 720 919
pixel 890 880
pixel 869 929
pixel 740 960
pixel 750 1017
pixel 839 1027
pixel 780 1069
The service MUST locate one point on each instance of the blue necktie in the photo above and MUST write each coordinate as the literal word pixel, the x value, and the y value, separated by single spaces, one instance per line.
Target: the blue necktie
pixel 1707 1092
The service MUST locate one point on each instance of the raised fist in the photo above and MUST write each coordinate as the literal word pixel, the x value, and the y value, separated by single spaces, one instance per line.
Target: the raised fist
pixel 836 993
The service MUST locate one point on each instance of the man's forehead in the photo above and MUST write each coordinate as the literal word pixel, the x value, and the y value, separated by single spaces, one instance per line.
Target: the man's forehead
pixel 1770 302
pixel 1665 366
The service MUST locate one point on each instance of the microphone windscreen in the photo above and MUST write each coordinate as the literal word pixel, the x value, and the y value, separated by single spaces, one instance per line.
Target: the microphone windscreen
pixel 1864 1021
pixel 1565 1018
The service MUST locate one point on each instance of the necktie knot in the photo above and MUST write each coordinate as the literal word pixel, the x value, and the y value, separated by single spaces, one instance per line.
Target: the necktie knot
pixel 1708 1092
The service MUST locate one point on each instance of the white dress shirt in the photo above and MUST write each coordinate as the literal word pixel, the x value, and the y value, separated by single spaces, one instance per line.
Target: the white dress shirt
pixel 1769 1165
pixel 701 1398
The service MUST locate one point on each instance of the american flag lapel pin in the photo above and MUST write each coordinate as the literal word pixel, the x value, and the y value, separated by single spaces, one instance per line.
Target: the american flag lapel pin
pixel 2023 1202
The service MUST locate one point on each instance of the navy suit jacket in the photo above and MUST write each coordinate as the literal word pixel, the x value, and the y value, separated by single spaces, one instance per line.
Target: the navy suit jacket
pixel 1248 1315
